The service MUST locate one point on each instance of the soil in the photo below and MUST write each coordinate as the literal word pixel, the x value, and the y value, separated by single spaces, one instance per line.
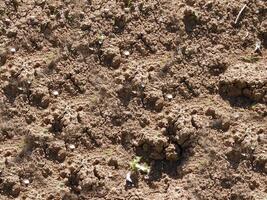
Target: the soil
pixel 86 86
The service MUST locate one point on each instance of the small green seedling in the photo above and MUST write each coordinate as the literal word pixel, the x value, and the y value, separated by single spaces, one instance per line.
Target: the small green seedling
pixel 129 3
pixel 101 38
pixel 136 166
pixel 250 59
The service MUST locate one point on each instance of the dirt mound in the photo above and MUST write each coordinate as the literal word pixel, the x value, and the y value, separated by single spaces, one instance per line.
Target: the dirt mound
pixel 248 80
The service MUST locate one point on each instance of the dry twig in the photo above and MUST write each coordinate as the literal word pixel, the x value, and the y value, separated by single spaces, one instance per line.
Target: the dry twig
pixel 240 14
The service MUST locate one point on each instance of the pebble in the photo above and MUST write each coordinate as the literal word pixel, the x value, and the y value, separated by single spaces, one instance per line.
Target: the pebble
pixel 72 146
pixel 128 177
pixel 55 93
pixel 13 50
pixel 26 181
pixel 106 10
pixel 258 46
pixel 127 10
pixel 169 96
pixel 126 53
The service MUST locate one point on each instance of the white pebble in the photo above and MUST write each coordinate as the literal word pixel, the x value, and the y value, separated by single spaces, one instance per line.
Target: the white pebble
pixel 126 53
pixel 20 88
pixel 146 177
pixel 55 93
pixel 106 10
pixel 26 181
pixel 127 10
pixel 128 177
pixel 258 46
pixel 32 17
pixel 72 146
pixel 169 96
pixel 12 50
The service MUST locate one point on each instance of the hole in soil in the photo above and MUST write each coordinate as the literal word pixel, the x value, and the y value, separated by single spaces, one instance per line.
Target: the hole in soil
pixel 11 92
pixel 57 124
pixel 168 148
pixel 73 182
pixel 190 20
pixel 234 157
pixel 158 167
pixel 165 162
pixel 164 166
pixel 217 69
pixel 241 101
pixel 125 95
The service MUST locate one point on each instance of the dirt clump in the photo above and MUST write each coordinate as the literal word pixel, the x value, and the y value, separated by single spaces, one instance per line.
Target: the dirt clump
pixel 248 80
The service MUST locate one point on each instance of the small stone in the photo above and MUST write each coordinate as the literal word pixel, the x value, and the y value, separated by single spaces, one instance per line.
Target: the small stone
pixel 110 175
pixel 169 96
pixel 13 50
pixel 20 88
pixel 106 10
pixel 26 181
pixel 146 177
pixel 128 177
pixel 126 53
pixel 55 93
pixel 72 147
pixel 127 10
pixel 258 46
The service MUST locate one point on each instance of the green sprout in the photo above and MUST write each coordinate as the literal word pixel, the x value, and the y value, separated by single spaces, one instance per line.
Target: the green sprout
pixel 101 38
pixel 250 59
pixel 136 166
pixel 129 3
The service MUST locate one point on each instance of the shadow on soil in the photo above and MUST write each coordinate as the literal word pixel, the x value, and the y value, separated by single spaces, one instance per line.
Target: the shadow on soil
pixel 239 102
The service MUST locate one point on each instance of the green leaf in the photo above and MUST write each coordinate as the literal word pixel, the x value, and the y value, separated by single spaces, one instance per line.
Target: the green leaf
pixel 136 166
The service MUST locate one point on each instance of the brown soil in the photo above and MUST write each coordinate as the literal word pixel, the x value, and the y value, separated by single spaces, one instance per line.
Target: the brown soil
pixel 88 85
